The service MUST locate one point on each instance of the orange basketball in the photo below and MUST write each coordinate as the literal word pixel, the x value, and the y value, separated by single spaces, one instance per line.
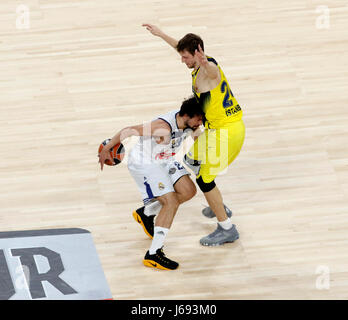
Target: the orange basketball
pixel 117 152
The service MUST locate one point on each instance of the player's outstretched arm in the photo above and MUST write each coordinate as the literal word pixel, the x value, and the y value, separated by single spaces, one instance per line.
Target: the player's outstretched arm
pixel 119 137
pixel 159 33
pixel 159 129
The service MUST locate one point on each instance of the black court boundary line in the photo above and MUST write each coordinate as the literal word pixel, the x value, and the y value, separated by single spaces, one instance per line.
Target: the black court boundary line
pixel 41 233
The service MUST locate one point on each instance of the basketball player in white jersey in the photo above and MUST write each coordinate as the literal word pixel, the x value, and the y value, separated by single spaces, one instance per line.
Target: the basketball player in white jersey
pixel 163 182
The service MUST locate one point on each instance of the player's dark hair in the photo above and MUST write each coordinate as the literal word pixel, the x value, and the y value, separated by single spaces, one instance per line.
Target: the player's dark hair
pixel 191 107
pixel 190 43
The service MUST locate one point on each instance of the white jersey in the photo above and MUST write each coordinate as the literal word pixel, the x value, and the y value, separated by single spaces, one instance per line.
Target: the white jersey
pixel 153 165
pixel 147 150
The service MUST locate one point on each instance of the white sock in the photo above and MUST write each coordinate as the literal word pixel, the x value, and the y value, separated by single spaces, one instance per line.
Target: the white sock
pixel 227 224
pixel 159 236
pixel 153 208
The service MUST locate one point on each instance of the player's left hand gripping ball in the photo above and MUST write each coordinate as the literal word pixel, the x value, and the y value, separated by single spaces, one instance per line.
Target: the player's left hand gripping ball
pixel 116 153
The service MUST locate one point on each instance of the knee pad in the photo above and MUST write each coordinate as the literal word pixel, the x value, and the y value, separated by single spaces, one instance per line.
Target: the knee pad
pixel 205 187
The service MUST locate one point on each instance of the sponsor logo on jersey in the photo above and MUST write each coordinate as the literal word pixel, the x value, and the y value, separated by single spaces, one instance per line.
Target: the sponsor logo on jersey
pixel 161 186
pixel 164 155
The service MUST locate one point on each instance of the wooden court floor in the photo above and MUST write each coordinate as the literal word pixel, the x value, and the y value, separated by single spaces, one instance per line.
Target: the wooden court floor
pixel 78 71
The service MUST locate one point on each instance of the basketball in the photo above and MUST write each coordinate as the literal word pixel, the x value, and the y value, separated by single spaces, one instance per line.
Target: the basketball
pixel 117 153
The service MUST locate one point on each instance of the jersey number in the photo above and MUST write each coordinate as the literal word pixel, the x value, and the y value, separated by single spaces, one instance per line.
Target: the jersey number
pixel 228 95
pixel 178 165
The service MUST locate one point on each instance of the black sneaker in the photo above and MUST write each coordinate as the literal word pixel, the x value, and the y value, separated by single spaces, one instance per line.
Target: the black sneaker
pixel 146 222
pixel 159 261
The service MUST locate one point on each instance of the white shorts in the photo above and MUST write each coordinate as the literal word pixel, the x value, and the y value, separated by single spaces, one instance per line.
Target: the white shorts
pixel 156 179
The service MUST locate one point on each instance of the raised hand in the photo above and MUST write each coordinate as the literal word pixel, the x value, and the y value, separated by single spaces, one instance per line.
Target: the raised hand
pixel 153 29
pixel 210 69
pixel 200 57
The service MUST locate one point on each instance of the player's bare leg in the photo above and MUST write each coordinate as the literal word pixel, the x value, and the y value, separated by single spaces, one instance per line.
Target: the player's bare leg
pixel 214 199
pixel 163 207
pixel 170 205
pixel 226 231
pixel 185 189
pixel 155 257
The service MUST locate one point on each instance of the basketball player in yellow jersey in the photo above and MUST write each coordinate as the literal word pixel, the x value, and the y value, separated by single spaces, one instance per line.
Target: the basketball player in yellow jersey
pixel 224 132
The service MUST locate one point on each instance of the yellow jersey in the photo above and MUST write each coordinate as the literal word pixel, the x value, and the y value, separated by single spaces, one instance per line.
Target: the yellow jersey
pixel 219 104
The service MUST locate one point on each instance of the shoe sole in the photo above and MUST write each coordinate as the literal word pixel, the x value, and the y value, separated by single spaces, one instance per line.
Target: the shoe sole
pixel 155 265
pixel 138 219
pixel 219 243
